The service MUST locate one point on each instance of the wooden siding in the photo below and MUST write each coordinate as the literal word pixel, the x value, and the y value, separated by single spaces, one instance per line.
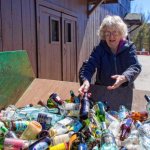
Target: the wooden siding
pixel 19 25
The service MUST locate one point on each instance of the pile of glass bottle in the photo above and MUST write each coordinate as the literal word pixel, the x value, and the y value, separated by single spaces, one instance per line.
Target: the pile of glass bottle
pixel 74 124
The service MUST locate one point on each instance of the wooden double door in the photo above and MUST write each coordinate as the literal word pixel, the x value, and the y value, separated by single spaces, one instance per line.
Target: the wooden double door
pixel 57 58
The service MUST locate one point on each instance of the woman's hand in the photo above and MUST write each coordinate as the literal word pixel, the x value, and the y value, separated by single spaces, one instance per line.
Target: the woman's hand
pixel 84 87
pixel 120 79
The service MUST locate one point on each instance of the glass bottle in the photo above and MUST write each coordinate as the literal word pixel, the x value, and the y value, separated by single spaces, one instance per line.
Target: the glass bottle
pixel 62 138
pixel 50 110
pixel 144 134
pixel 82 145
pixel 41 144
pixel 141 116
pixel 85 107
pixel 56 99
pixel 122 112
pixel 61 146
pixel 100 113
pixel 126 128
pixel 108 141
pixel 18 125
pixel 148 103
pixel 6 132
pixel 15 144
pixel 74 99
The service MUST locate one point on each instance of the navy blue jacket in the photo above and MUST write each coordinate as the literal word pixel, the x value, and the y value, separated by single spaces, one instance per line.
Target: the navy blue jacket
pixel 102 60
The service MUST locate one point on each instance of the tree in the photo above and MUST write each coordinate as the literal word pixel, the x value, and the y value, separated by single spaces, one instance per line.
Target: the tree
pixel 141 37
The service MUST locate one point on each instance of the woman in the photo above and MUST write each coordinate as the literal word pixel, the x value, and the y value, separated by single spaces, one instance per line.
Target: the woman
pixel 114 58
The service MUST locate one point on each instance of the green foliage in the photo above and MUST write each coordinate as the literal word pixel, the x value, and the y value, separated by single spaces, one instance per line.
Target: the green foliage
pixel 141 37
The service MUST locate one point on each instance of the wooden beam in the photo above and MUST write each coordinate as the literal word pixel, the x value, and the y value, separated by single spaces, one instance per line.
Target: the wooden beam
pixel 94 3
pixel 94 6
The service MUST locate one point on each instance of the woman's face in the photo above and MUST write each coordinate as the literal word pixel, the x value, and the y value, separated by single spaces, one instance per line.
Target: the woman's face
pixel 112 37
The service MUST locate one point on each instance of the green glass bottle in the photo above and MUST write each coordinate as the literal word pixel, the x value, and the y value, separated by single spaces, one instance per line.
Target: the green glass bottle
pixel 1 142
pixel 74 99
pixel 100 114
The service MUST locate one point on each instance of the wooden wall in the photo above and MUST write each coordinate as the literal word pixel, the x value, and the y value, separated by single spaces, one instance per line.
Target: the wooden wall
pixel 17 27
pixel 19 30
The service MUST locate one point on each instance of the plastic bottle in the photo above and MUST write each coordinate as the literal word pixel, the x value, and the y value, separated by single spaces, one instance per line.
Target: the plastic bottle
pixel 148 103
pixel 122 112
pixel 41 144
pixel 108 141
pixel 85 107
pixel 144 134
pixel 114 127
pixel 126 128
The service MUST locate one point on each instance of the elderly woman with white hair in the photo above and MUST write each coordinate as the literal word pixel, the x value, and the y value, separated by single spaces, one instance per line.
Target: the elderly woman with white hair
pixel 114 58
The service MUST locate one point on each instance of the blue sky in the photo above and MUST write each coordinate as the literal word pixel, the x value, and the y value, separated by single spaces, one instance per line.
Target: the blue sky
pixel 140 6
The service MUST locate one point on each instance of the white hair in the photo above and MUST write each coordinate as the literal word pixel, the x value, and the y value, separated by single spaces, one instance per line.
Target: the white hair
pixel 113 21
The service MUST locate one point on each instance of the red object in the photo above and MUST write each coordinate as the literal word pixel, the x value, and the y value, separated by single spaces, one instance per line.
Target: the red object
pixel 141 116
pixel 126 128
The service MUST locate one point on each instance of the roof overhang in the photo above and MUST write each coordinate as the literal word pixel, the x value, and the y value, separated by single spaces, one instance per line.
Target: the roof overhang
pixel 133 20
pixel 92 4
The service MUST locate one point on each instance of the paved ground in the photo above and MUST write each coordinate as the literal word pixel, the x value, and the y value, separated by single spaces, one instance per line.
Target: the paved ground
pixel 143 80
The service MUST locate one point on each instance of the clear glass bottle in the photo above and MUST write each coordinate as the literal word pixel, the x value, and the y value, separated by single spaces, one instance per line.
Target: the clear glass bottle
pixel 148 103
pixel 108 141
pixel 144 135
pixel 122 112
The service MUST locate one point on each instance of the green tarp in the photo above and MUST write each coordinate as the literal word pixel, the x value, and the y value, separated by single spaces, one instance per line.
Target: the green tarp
pixel 16 75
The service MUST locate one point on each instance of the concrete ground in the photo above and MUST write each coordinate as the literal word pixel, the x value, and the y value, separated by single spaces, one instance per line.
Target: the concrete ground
pixel 143 80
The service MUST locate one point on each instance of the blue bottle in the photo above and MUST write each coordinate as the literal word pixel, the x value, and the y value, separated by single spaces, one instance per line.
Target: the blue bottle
pixel 82 145
pixel 41 144
pixel 85 107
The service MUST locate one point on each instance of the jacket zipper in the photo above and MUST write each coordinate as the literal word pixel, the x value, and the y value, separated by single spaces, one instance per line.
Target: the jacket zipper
pixel 115 64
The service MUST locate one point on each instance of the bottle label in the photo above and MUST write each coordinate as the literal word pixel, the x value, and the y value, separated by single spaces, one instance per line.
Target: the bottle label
pixel 71 106
pixel 21 125
pixel 13 143
pixel 60 139
pixel 61 146
pixel 41 145
pixel 73 113
pixel 58 129
pixel 66 121
pixel 44 120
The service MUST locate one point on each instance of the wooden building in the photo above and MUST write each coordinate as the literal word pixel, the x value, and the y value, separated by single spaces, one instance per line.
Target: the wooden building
pixel 57 34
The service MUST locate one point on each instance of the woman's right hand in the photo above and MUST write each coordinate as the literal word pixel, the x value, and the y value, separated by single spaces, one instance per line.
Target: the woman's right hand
pixel 84 87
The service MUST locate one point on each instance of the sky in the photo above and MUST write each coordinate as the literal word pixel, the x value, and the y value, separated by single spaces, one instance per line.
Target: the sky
pixel 140 6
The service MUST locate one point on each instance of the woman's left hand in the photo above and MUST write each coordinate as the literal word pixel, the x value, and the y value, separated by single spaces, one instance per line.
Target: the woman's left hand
pixel 119 80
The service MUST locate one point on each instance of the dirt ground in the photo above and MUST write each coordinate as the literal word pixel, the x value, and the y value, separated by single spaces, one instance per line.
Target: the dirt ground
pixel 143 80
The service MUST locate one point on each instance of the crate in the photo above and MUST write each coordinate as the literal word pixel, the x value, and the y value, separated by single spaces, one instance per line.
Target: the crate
pixel 19 86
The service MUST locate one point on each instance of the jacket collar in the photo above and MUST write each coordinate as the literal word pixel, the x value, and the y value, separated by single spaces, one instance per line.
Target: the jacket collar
pixel 122 46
